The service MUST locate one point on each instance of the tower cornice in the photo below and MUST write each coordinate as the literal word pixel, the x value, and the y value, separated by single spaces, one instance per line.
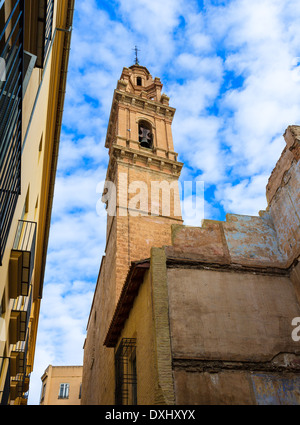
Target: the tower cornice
pixel 142 158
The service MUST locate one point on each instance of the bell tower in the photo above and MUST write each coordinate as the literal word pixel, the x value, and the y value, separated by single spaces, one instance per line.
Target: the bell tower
pixel 142 198
pixel 143 168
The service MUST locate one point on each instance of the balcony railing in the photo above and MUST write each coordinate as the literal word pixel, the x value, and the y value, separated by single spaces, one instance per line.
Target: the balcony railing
pixel 19 370
pixel 18 356
pixel 19 318
pixel 22 259
pixel 11 52
pixel 19 386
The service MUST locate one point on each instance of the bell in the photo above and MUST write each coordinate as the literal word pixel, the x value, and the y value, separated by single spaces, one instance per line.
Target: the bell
pixel 145 143
pixel 145 138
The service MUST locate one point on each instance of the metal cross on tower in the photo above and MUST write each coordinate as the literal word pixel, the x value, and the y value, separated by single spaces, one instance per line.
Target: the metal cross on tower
pixel 136 55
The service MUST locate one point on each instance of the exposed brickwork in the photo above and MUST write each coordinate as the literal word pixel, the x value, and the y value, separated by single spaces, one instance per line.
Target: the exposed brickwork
pixel 162 344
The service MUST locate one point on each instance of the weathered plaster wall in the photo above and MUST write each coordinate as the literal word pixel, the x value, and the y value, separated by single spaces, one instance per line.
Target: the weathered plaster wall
pixel 236 388
pixel 231 337
pixel 283 196
pixel 220 315
pixel 271 239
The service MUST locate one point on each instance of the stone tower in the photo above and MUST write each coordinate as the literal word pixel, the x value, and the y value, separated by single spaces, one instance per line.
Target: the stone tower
pixel 142 197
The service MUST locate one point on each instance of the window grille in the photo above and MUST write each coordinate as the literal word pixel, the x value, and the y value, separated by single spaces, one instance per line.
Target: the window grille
pixel 11 52
pixel 126 377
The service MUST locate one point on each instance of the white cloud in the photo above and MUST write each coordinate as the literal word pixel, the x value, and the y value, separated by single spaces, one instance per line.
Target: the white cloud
pixel 153 22
pixel 245 197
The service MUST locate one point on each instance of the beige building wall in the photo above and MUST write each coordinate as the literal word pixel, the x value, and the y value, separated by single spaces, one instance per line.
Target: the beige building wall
pixel 61 385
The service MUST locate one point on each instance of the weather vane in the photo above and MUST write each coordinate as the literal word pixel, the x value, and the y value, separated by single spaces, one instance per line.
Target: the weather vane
pixel 136 55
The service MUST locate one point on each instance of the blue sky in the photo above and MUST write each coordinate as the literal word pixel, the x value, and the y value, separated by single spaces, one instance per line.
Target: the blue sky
pixel 231 70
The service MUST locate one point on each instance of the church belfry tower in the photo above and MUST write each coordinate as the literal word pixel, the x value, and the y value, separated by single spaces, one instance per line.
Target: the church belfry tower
pixel 144 169
pixel 142 197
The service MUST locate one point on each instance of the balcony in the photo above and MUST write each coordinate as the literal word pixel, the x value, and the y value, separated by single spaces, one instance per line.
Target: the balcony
pixel 19 381
pixel 18 357
pixel 22 259
pixel 18 388
pixel 19 318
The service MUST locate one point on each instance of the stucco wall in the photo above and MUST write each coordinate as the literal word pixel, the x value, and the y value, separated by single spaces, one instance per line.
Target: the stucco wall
pixel 236 388
pixel 225 328
pixel 143 331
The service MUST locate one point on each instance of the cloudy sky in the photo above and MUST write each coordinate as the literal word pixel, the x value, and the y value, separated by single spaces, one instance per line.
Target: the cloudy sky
pixel 232 71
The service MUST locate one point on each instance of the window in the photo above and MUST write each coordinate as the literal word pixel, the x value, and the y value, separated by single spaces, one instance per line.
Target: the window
pixel 43 391
pixel 138 81
pixel 64 391
pixel 126 373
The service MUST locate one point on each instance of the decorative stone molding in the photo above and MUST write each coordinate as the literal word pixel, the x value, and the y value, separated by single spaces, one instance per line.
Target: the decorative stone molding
pixel 145 159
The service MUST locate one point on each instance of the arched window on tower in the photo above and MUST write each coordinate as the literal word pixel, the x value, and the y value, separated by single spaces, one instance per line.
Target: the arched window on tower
pixel 145 134
pixel 138 81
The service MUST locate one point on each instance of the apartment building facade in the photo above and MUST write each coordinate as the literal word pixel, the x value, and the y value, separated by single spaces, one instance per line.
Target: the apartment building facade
pixel 35 38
